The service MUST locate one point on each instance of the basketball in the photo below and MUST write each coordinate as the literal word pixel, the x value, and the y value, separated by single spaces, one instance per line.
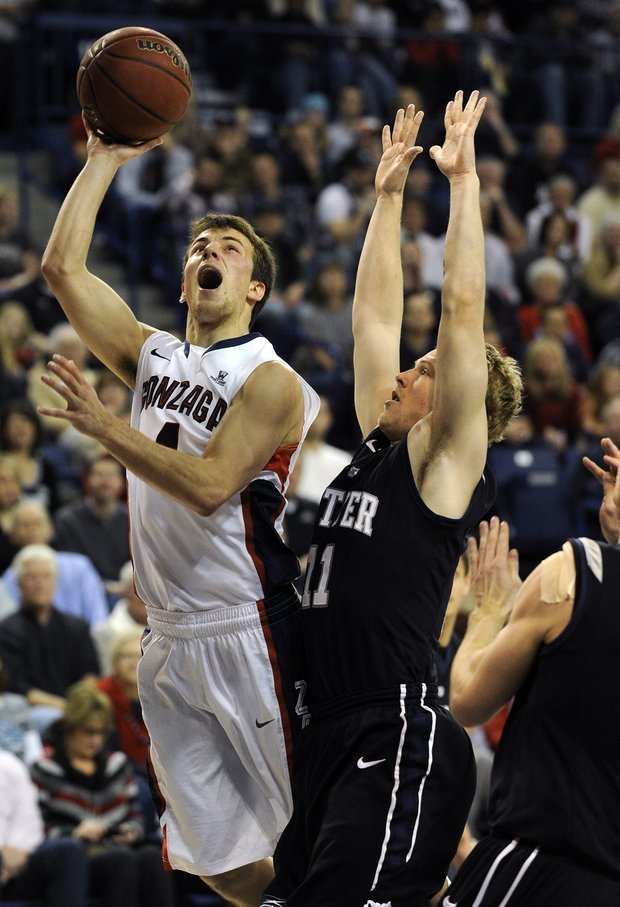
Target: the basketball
pixel 133 85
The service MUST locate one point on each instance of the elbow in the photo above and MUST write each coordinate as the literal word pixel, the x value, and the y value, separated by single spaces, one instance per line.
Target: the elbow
pixel 206 505
pixel 54 268
pixel 465 712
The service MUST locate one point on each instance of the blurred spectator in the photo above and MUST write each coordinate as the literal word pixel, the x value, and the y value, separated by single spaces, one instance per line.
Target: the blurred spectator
pixel 129 613
pixel 432 58
pixel 20 262
pixel 269 222
pixel 265 187
pixel 603 385
pixel 43 650
pixel 529 176
pixel 546 280
pixel 324 333
pixel 297 49
pixel 496 138
pixel 552 399
pixel 141 187
pixel 230 142
pixel 188 198
pixel 79 590
pixel 17 732
pixel 52 872
pixel 98 525
pixel 499 263
pixel 557 240
pixel 343 209
pixel 20 345
pixel 601 284
pixel 564 67
pixel 321 462
pixel 21 436
pixel 90 794
pixel 503 221
pixel 342 129
pixel 419 330
pixel 600 203
pixel 414 226
pixel 302 159
pixel 364 53
pixel 533 492
pixel 562 191
pixel 121 687
pixel 10 496
pixel 554 324
pixel 486 61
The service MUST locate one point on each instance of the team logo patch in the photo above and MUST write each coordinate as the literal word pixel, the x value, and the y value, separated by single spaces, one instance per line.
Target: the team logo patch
pixel 353 472
pixel 221 378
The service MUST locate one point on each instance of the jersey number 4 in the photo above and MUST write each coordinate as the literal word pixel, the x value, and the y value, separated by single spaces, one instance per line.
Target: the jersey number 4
pixel 319 597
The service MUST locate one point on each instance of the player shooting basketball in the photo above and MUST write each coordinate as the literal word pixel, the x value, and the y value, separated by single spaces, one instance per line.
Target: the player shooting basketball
pixel 216 426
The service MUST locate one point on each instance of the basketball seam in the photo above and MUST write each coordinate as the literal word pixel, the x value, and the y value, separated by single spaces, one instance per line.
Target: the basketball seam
pixel 127 95
pixel 150 63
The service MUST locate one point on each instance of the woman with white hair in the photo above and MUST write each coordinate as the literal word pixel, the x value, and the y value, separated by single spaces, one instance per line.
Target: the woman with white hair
pixel 546 280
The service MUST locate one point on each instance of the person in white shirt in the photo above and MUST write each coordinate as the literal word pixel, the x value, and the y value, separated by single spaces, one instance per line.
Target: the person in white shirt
pixel 52 871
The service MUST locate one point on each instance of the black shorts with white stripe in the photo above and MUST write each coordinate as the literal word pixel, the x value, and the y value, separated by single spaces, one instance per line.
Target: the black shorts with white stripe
pixel 380 803
pixel 503 873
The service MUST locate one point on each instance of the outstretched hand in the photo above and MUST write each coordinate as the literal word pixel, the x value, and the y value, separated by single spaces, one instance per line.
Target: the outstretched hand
pixel 119 153
pixel 456 157
pixel 399 151
pixel 84 409
pixel 609 513
pixel 494 570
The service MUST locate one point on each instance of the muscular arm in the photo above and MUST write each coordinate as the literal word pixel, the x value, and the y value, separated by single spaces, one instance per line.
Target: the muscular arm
pixel 103 320
pixel 492 663
pixel 378 298
pixel 266 414
pixel 456 453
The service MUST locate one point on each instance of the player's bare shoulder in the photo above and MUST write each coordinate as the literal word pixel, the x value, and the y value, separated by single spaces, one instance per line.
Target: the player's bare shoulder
pixel 273 392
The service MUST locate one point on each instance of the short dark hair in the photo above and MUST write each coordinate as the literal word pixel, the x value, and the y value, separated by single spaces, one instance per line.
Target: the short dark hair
pixel 265 267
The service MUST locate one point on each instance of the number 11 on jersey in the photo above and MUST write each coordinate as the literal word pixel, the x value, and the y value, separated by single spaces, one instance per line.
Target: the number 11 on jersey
pixel 319 598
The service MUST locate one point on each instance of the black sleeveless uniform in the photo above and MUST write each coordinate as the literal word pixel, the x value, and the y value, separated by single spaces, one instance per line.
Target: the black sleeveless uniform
pixel 555 792
pixel 384 777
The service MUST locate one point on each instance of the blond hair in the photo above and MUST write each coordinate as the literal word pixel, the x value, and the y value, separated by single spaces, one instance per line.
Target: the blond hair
pixel 84 703
pixel 504 392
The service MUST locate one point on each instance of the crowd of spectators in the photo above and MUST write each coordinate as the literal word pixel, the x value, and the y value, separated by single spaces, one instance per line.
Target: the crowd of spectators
pixel 296 154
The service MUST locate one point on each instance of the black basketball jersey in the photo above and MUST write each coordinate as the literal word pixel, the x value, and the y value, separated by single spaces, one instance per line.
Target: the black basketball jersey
pixel 556 777
pixel 379 575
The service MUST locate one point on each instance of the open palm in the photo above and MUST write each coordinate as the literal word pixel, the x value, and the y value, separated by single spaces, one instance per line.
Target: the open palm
pixel 399 150
pixel 457 155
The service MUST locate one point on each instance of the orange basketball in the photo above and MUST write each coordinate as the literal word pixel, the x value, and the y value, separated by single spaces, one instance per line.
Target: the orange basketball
pixel 133 85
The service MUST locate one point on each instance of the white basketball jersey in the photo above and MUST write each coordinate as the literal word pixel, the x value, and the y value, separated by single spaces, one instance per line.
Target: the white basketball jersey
pixel 187 562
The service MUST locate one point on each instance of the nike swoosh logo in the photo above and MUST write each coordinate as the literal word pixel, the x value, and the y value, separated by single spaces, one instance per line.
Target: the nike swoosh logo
pixel 361 762
pixel 371 446
pixel 448 903
pixel 263 723
pixel 159 355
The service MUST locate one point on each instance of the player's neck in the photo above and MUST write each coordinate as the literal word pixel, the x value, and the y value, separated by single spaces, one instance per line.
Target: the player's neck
pixel 207 335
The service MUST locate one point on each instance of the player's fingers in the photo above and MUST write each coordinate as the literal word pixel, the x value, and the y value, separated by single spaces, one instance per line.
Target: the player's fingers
pixel 457 112
pixel 398 125
pixel 472 554
pixel 477 112
pixel 386 139
pixel 59 386
pixel 471 102
pixel 594 468
pixel 448 117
